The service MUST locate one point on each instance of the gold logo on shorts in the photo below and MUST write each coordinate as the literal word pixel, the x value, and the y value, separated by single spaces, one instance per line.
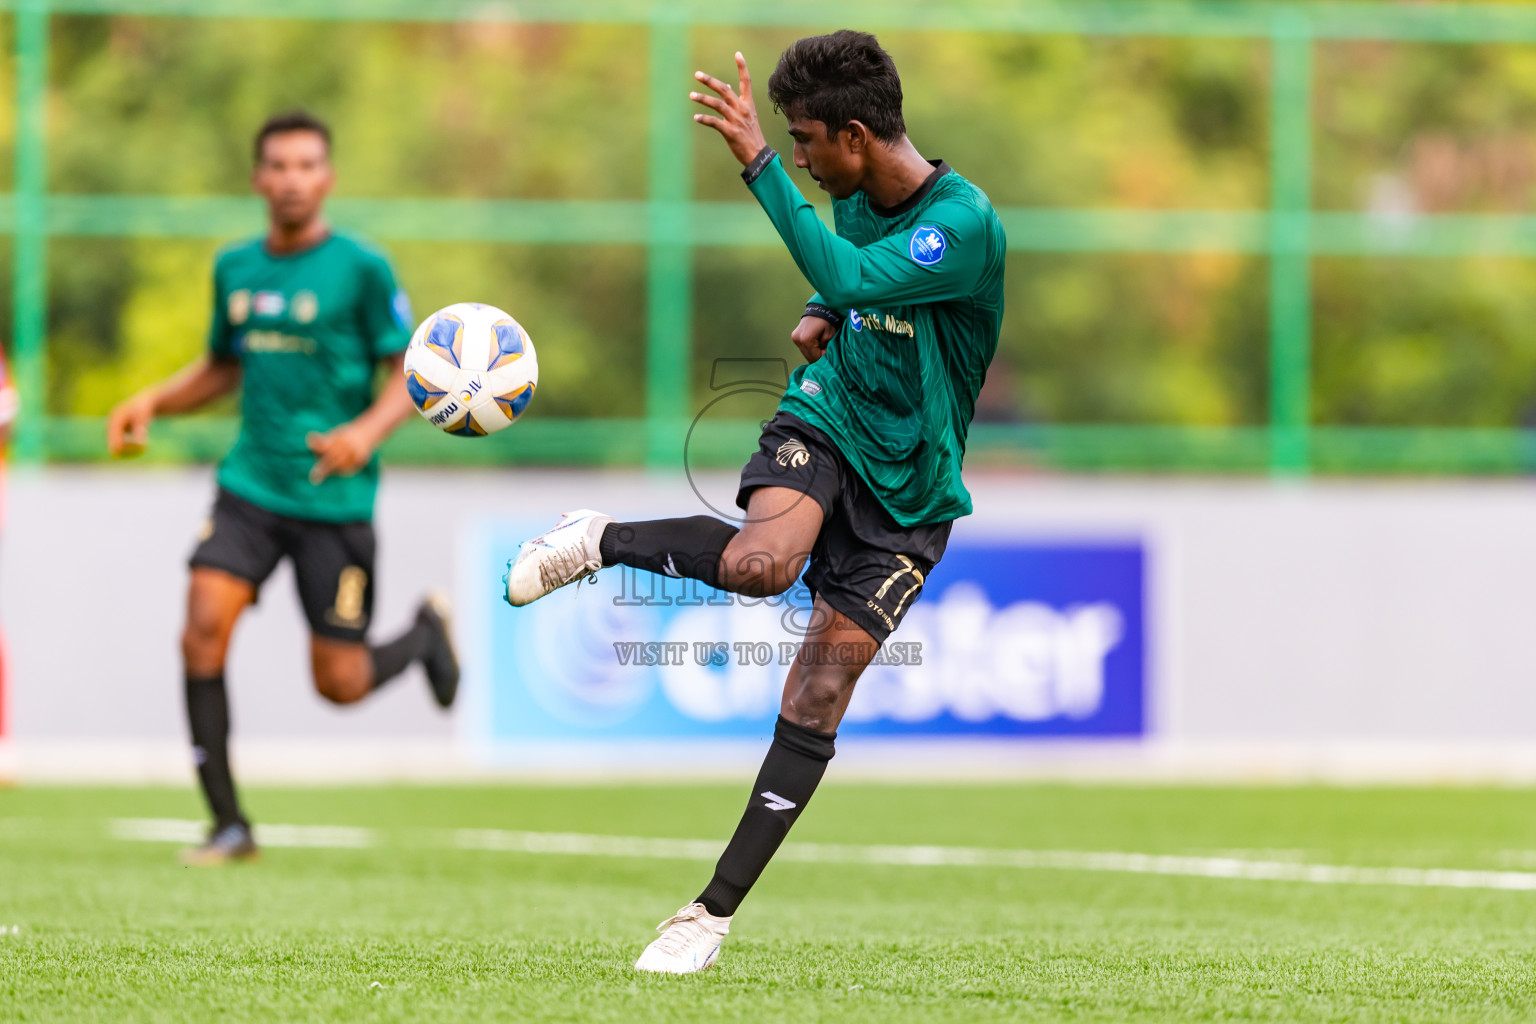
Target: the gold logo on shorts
pixel 350 588
pixel 793 454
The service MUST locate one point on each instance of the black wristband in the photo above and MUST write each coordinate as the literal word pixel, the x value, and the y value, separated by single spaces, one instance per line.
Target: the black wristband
pixel 826 313
pixel 759 164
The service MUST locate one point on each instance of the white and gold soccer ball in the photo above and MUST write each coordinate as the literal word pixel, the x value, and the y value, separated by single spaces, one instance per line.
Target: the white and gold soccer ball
pixel 471 369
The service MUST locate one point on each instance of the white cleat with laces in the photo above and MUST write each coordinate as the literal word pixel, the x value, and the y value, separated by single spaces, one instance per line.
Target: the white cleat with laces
pixel 556 557
pixel 689 942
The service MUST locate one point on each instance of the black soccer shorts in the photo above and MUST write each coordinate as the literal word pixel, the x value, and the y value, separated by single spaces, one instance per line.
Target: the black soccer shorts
pixel 864 564
pixel 333 562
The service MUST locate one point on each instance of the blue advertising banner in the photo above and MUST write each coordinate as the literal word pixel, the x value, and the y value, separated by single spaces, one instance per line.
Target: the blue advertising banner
pixel 1016 638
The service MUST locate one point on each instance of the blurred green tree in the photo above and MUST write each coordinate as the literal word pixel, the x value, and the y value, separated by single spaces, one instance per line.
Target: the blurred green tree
pixel 167 106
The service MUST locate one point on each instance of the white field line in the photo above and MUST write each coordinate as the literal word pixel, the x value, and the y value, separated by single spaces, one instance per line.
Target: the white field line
pixel 179 830
pixel 590 845
pixel 575 843
pixel 586 844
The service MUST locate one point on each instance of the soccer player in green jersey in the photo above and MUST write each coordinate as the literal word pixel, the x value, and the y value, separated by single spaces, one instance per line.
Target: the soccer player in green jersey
pixel 857 477
pixel 303 319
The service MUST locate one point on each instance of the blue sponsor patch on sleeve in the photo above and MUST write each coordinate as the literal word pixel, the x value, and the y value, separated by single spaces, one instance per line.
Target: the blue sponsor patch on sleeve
pixel 927 245
pixel 401 305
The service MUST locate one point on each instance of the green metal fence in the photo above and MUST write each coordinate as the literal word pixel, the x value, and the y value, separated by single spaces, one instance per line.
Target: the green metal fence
pixel 669 223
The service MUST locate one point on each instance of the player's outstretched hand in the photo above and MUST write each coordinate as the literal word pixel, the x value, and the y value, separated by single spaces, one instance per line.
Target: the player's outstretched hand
pixel 811 336
pixel 737 120
pixel 128 427
pixel 341 452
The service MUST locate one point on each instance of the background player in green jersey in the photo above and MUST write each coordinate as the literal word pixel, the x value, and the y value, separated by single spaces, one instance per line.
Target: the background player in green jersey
pixel 857 477
pixel 303 318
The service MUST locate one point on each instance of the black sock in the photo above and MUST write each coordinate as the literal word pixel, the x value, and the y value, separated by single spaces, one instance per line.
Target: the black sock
pixel 676 547
pixel 394 657
pixel 208 714
pixel 790 773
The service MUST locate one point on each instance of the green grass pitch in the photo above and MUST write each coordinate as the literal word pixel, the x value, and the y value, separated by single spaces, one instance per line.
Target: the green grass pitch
pixel 414 928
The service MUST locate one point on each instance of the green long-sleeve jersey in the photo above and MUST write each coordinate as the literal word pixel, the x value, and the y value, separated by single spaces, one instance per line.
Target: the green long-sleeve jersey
pixel 917 293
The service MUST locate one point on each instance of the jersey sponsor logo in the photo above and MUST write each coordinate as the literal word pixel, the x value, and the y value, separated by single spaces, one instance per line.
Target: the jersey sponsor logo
pixel 275 341
pixel 810 387
pixel 776 802
pixel 793 454
pixel 305 307
pixel 670 569
pixel 239 306
pixel 400 305
pixel 927 245
pixel 876 322
pixel 268 303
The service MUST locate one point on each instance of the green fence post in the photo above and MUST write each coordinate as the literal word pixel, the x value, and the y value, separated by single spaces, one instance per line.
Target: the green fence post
pixel 29 251
pixel 669 259
pixel 1290 244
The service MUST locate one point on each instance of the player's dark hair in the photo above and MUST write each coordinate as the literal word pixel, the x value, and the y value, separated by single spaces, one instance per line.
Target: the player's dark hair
pixel 291 121
pixel 846 76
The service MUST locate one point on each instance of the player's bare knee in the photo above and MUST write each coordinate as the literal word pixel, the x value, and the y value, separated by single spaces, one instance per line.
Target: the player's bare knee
pixel 757 567
pixel 343 673
pixel 751 583
pixel 204 642
pixel 336 691
pixel 816 696
pixel 341 686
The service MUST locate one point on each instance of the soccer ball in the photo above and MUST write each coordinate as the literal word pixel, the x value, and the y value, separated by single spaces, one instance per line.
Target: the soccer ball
pixel 471 369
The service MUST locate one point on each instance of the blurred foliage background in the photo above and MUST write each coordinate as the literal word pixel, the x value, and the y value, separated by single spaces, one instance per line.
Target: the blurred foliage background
pixel 167 106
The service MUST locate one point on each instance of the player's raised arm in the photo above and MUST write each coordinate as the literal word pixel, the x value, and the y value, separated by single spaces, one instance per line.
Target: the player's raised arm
pixel 210 377
pixel 936 260
pixel 737 114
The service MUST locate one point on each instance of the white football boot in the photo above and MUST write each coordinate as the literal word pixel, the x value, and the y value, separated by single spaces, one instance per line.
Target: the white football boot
pixel 689 942
pixel 556 557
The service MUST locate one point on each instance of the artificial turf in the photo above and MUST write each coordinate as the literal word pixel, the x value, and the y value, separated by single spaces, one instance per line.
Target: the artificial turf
pixel 413 928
